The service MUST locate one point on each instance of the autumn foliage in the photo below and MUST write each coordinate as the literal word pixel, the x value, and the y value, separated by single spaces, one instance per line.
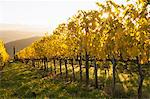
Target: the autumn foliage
pixel 113 31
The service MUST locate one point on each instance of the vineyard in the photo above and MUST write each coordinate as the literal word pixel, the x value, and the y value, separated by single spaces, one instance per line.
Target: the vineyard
pixel 107 50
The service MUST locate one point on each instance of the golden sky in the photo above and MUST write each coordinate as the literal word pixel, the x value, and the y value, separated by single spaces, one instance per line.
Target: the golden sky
pixel 47 13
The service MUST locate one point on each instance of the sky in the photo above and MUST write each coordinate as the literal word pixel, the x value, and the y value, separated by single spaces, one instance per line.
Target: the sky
pixel 47 13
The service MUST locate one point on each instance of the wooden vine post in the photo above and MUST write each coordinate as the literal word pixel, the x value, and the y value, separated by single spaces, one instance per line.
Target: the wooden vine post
pixel 14 52
pixel 44 60
pixel 42 63
pixel 66 68
pixel 87 68
pixel 33 62
pixel 95 73
pixel 47 63
pixel 73 73
pixel 60 67
pixel 54 65
pixel 86 48
pixel 80 65
pixel 141 78
pixel 113 76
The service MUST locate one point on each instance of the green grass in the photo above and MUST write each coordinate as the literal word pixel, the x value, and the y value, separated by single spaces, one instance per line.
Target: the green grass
pixel 24 81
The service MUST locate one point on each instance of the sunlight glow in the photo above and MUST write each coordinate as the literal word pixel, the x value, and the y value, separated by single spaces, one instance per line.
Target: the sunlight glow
pixel 47 13
pixel 105 15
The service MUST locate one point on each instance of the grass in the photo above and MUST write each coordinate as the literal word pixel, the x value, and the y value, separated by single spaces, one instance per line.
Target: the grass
pixel 24 81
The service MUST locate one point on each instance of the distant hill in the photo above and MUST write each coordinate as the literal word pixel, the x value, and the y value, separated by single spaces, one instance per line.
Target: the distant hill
pixel 12 32
pixel 8 36
pixel 19 44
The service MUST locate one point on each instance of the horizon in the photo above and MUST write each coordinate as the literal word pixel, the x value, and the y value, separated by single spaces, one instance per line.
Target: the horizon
pixel 35 18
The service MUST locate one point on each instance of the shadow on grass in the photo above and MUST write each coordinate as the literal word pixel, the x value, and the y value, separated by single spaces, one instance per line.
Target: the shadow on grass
pixel 23 81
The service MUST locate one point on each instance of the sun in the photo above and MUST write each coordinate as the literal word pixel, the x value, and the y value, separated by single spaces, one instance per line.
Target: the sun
pixel 105 15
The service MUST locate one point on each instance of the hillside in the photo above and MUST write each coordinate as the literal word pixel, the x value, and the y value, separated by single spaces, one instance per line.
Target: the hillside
pixel 19 44
pixel 12 32
pixel 8 36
